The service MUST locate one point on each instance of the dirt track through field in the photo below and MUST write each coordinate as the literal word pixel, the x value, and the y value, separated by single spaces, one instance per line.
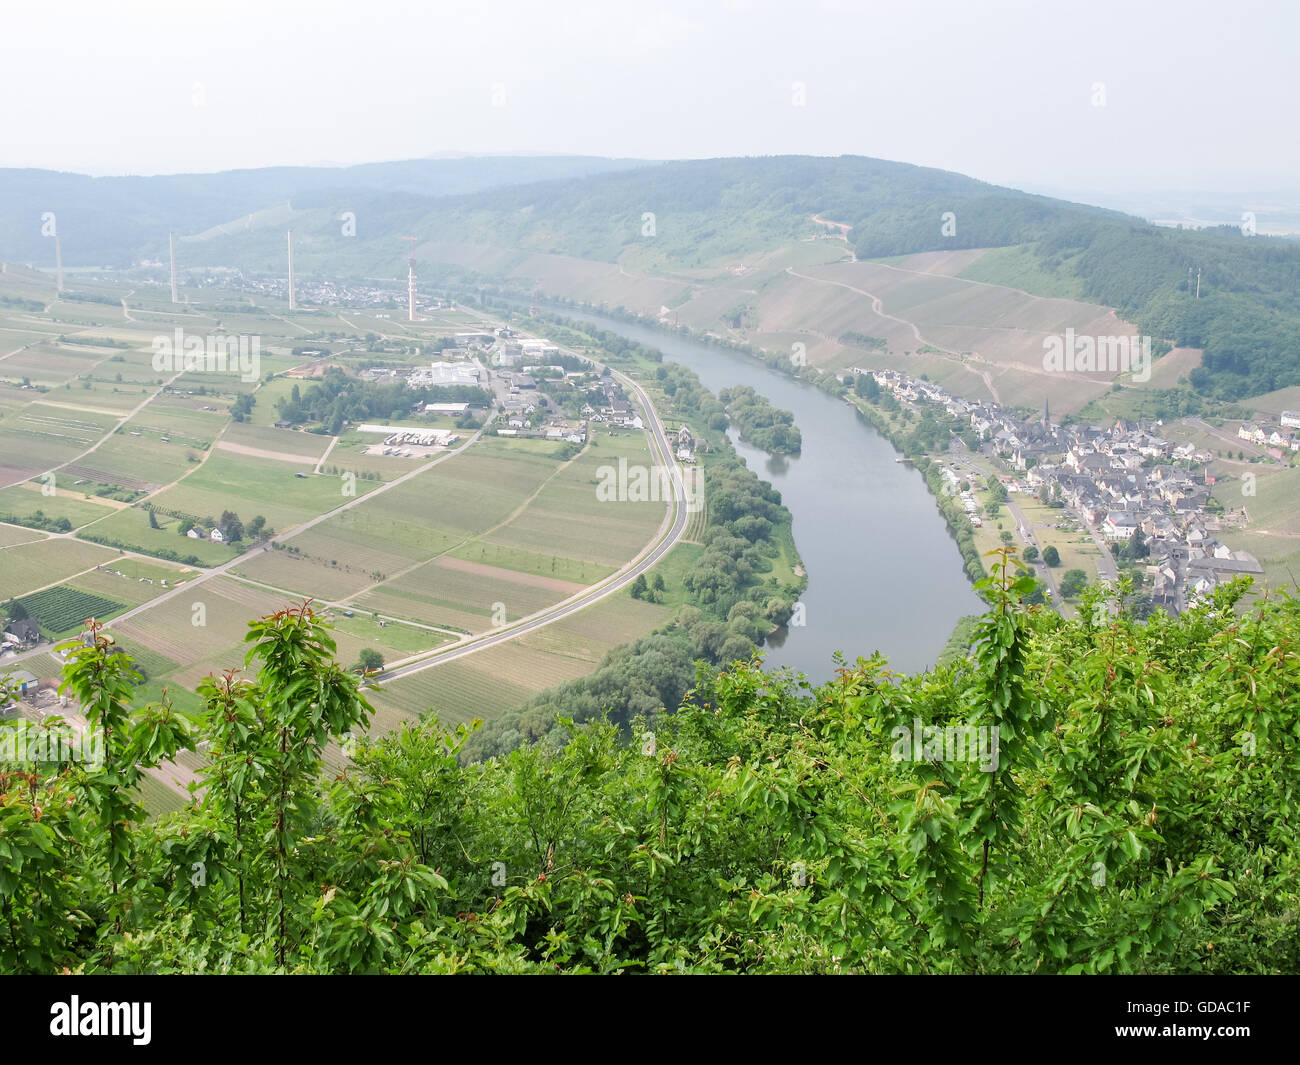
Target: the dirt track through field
pixel 529 580
pixel 263 453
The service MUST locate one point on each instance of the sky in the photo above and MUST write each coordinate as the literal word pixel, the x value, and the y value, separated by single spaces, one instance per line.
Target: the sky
pixel 1049 95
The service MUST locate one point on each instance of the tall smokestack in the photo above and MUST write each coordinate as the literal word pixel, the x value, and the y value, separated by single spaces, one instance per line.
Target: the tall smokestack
pixel 171 249
pixel 293 303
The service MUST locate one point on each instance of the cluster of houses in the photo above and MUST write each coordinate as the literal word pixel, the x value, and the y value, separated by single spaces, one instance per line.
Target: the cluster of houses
pixel 613 409
pixel 1275 440
pixel 1117 479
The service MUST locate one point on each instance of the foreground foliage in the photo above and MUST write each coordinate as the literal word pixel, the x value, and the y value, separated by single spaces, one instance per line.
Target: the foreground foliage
pixel 1141 816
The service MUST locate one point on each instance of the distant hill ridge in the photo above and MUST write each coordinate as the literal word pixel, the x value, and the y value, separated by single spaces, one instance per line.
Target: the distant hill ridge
pixel 694 213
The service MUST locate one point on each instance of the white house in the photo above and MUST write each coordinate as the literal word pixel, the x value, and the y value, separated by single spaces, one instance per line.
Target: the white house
pixel 1119 525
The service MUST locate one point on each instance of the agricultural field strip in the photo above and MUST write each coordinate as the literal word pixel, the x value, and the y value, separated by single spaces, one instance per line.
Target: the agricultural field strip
pixel 35 534
pixel 419 564
pixel 61 609
pixel 343 604
pixel 41 340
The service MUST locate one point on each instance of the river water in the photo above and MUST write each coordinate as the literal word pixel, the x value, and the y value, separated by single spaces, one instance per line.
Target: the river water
pixel 883 571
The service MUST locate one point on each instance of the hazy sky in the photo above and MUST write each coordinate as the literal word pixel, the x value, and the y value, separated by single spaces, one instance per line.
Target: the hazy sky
pixel 1196 94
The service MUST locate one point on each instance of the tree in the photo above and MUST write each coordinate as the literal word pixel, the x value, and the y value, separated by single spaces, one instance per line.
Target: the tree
pixel 1038 597
pixel 233 528
pixel 864 384
pixel 1030 553
pixel 1136 548
pixel 1140 605
pixel 1073 583
pixel 370 660
pixel 1051 556
pixel 638 588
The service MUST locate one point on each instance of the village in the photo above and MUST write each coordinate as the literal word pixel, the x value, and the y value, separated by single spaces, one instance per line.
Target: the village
pixel 1119 481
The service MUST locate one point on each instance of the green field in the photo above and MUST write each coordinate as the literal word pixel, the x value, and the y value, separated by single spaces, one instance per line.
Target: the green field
pixel 139 458
pixel 250 486
pixel 568 517
pixel 62 610
pixel 27 567
pixel 24 502
pixel 42 436
pixel 12 534
pixel 285 441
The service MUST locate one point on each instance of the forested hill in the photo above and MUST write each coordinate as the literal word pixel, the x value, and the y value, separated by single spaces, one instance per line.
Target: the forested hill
pixel 1073 797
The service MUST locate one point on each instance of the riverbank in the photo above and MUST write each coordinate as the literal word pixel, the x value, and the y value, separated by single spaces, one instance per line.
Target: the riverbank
pixel 734 580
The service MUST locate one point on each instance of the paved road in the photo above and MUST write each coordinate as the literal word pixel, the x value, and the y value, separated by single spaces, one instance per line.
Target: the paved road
pixel 1107 570
pixel 1027 535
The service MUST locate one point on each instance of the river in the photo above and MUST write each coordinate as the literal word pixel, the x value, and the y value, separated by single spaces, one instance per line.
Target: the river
pixel 883 572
